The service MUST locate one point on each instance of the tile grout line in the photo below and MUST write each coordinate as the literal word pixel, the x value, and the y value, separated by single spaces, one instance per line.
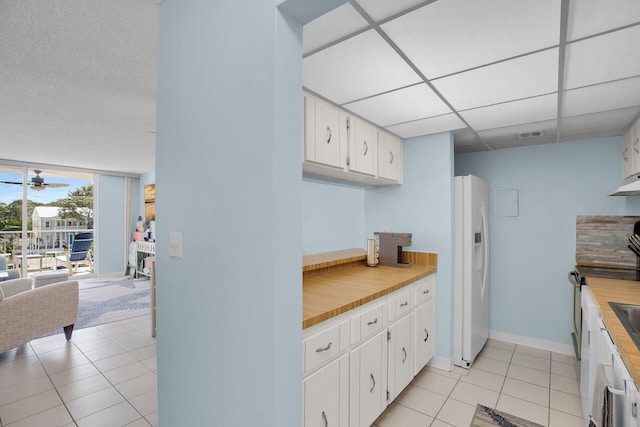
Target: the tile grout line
pixel 37 355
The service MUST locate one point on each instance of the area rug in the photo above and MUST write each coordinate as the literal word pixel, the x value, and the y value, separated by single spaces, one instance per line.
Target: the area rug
pixel 488 417
pixel 105 301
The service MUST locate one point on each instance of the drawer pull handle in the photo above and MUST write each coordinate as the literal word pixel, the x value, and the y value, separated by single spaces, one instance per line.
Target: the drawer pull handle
pixel 372 322
pixel 404 350
pixel 329 135
pixel 427 337
pixel 373 384
pixel 324 417
pixel 404 304
pixel 425 292
pixel 366 148
pixel 320 350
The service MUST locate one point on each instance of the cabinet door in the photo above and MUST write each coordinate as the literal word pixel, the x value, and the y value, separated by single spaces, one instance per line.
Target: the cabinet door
pixel 400 355
pixel 627 153
pixel 389 157
pixel 327 134
pixel 424 337
pixel 368 386
pixel 326 395
pixel 364 147
pixel 635 148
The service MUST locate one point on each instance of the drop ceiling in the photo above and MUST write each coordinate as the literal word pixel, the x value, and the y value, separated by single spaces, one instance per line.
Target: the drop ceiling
pixel 490 71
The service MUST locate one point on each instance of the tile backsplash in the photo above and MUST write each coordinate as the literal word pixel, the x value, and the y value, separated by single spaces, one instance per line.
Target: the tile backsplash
pixel 603 240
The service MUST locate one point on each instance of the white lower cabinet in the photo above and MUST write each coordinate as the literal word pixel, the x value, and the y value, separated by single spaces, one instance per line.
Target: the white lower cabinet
pixel 326 395
pixel 400 356
pixel 424 323
pixel 368 381
pixel 358 362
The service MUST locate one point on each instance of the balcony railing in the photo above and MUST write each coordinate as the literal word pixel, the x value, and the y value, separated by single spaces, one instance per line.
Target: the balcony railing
pixel 42 246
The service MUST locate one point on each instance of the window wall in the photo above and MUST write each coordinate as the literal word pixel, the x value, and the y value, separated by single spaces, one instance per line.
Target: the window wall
pixel 41 209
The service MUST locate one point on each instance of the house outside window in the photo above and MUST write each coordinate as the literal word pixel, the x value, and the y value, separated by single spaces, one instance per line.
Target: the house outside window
pixel 46 224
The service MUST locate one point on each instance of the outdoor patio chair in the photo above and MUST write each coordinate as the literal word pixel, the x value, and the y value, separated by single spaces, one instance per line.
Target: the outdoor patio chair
pixel 79 254
pixel 5 273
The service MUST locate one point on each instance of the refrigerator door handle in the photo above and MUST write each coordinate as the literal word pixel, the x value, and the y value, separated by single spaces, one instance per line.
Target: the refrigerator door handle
pixel 485 249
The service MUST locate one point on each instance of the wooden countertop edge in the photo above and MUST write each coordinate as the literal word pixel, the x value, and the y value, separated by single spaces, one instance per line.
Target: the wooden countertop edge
pixel 356 303
pixel 628 292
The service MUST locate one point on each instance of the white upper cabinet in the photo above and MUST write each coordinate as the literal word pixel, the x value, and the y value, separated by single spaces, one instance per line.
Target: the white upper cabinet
pixel 631 151
pixel 389 156
pixel 338 144
pixel 322 132
pixel 365 147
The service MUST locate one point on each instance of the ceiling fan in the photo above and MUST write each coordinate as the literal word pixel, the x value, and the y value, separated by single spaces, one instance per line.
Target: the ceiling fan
pixel 37 182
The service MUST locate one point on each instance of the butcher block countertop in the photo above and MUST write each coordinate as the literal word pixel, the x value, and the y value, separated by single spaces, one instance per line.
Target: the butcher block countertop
pixel 336 282
pixel 625 291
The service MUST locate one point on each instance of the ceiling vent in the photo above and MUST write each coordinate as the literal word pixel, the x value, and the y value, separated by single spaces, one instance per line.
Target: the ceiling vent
pixel 532 134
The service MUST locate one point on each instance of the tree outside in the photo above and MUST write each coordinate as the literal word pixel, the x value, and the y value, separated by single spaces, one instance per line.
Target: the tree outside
pixel 78 205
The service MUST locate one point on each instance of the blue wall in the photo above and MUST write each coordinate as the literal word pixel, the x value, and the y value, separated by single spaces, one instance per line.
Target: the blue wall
pixel 333 217
pixel 532 253
pixel 110 225
pixel 228 175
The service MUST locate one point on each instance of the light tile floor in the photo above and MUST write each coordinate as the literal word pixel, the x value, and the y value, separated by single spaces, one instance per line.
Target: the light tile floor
pixel 107 376
pixel 534 384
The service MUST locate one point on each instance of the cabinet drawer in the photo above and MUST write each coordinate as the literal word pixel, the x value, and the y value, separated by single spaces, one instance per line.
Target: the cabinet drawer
pixel 424 290
pixel 324 346
pixel 367 323
pixel 400 305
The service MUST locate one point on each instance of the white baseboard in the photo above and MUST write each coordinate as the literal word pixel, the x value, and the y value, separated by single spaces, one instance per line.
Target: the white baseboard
pixel 554 346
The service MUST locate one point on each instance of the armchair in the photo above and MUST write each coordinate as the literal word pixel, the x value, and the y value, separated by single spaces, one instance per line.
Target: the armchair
pixel 6 274
pixel 26 313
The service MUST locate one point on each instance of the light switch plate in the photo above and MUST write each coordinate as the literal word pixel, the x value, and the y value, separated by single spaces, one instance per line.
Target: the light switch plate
pixel 175 244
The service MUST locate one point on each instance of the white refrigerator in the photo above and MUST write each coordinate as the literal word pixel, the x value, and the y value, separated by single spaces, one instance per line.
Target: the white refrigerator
pixel 471 277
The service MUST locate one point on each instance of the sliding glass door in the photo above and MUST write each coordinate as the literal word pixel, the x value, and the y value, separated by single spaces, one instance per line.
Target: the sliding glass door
pixel 41 210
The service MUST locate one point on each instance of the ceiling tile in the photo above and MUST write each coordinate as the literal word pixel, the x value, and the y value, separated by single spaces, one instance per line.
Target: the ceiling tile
pixel 428 126
pixel 510 136
pixel 607 96
pixel 402 105
pixel 450 36
pixel 592 17
pixel 512 113
pixel 523 77
pixel 359 67
pixel 604 58
pixel 341 22
pixel 381 9
pixel 606 123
